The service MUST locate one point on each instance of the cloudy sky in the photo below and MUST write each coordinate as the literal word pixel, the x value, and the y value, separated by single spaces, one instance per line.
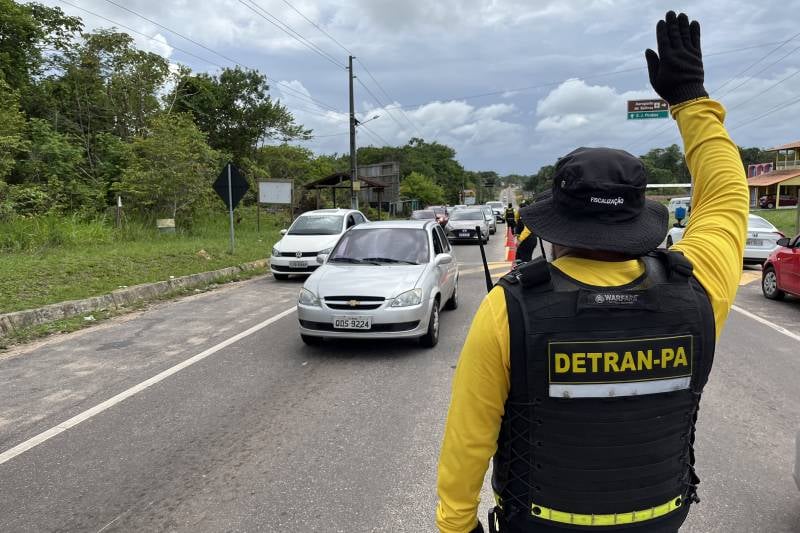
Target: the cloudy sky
pixel 511 85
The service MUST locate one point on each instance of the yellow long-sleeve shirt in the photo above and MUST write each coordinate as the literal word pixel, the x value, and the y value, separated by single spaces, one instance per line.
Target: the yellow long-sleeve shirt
pixel 713 241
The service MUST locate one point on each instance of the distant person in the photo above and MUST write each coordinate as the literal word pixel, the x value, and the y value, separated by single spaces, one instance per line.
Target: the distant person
pixel 510 214
pixel 526 240
pixel 582 378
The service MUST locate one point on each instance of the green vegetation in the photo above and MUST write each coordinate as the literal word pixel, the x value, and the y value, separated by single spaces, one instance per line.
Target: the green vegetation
pixel 65 259
pixel 419 186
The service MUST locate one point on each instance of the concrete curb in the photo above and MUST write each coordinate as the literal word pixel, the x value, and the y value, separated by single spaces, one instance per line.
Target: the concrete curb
pixel 9 322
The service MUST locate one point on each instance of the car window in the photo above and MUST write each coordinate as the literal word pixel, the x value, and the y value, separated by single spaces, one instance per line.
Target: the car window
pixel 760 223
pixel 437 243
pixel 359 218
pixel 443 239
pixel 467 214
pixel 350 221
pixel 382 246
pixel 316 225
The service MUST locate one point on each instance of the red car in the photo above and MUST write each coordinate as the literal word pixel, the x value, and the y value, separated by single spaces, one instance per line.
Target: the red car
pixel 781 274
pixel 768 202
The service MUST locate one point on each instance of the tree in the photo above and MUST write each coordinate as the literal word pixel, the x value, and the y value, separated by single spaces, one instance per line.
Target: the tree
pixel 172 169
pixel 235 110
pixel 417 186
pixel 12 129
pixel 25 31
pixel 754 156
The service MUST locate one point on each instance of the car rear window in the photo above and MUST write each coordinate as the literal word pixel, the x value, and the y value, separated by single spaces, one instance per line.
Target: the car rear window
pixel 317 225
pixel 759 223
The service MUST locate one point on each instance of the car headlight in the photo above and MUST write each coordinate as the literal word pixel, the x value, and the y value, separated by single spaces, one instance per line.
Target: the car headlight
pixel 275 252
pixel 412 297
pixel 326 251
pixel 308 298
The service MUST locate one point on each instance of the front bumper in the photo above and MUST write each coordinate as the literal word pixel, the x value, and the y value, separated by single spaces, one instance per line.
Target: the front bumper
pixel 291 265
pixel 387 322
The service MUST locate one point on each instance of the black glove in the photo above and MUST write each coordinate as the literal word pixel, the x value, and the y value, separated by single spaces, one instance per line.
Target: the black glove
pixel 676 72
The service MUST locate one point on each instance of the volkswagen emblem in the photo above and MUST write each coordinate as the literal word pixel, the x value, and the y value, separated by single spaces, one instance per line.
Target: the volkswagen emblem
pixel 353 303
pixel 298 254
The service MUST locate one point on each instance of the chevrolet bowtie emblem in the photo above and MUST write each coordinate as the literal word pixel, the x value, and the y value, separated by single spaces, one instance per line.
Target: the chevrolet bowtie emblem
pixel 353 303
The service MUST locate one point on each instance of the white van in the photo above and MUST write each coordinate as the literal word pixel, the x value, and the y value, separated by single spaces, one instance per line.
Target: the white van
pixel 683 201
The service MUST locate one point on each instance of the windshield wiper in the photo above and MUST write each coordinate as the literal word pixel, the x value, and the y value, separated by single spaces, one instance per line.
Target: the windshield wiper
pixel 352 260
pixel 389 260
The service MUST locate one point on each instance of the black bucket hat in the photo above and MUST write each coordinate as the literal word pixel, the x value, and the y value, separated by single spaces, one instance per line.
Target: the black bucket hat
pixel 598 203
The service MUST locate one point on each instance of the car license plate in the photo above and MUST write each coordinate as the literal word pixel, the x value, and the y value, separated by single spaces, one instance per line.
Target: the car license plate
pixel 755 242
pixel 298 264
pixel 352 322
pixel 463 234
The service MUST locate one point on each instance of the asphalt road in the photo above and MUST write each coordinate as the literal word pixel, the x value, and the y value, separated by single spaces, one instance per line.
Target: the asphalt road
pixel 266 434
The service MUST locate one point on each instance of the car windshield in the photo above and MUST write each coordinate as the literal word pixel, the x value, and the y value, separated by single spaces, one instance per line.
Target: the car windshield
pixel 759 223
pixel 380 246
pixel 422 215
pixel 317 225
pixel 467 214
pixel 495 205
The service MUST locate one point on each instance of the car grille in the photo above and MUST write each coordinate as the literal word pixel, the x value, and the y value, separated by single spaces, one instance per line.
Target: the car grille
pixel 360 302
pixel 376 328
pixel 288 269
pixel 303 254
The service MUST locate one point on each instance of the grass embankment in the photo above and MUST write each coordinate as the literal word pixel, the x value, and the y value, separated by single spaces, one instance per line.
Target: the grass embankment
pixel 783 219
pixel 52 259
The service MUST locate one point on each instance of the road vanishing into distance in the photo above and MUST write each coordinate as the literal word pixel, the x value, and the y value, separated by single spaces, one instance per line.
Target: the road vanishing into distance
pixel 208 413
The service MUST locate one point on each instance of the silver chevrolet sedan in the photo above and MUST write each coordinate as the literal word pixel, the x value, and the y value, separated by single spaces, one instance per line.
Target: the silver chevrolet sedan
pixel 381 280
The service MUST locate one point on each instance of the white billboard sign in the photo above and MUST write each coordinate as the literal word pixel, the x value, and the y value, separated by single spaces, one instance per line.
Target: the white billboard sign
pixel 275 191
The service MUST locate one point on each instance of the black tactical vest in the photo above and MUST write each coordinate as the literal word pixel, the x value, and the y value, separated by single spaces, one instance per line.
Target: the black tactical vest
pixel 598 429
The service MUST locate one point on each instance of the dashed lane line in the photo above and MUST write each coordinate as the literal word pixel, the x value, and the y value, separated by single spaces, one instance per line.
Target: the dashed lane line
pixel 99 408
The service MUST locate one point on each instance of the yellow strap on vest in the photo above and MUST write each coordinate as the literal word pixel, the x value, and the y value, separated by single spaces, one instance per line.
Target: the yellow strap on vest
pixel 603 519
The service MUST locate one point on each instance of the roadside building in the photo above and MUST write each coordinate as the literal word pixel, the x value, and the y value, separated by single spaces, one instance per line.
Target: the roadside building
pixel 781 185
pixel 386 174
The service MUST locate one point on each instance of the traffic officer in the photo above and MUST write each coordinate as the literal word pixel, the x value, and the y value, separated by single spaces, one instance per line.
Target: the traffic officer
pixel 526 240
pixel 583 377
pixel 510 214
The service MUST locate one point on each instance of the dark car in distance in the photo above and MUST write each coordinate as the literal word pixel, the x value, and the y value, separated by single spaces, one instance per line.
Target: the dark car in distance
pixel 769 202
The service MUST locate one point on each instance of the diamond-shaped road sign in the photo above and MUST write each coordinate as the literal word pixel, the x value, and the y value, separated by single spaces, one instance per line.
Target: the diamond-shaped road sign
pixel 239 185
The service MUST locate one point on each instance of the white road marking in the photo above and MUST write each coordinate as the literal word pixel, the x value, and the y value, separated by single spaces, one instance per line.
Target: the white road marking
pixel 766 322
pixel 99 408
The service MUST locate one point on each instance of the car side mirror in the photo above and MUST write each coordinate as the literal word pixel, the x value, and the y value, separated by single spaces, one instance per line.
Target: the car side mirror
pixel 284 232
pixel 321 258
pixel 783 242
pixel 443 259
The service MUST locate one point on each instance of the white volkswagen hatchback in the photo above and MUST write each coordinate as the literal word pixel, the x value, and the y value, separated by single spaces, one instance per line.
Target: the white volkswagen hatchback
pixel 312 233
pixel 382 279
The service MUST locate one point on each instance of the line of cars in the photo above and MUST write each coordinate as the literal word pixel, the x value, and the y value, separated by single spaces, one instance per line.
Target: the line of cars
pixel 460 222
pixel 367 279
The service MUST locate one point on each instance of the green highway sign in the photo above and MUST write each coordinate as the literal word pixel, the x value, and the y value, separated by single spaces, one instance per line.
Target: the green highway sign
pixel 640 115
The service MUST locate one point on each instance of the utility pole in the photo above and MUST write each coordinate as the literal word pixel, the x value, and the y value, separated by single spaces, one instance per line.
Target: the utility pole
pixel 353 122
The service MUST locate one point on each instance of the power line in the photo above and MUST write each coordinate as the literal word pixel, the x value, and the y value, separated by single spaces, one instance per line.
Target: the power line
pixel 657 132
pixel 778 107
pixel 380 87
pixel 377 101
pixel 374 80
pixel 753 75
pixel 375 134
pixel 343 47
pixel 740 104
pixel 288 87
pixel 288 30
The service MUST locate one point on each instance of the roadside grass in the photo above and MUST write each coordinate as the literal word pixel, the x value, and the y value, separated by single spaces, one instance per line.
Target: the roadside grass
pixel 783 219
pixel 50 260
pixel 67 325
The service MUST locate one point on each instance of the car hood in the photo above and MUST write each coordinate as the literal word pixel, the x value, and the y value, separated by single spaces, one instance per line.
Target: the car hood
pixel 387 281
pixel 306 243
pixel 466 224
